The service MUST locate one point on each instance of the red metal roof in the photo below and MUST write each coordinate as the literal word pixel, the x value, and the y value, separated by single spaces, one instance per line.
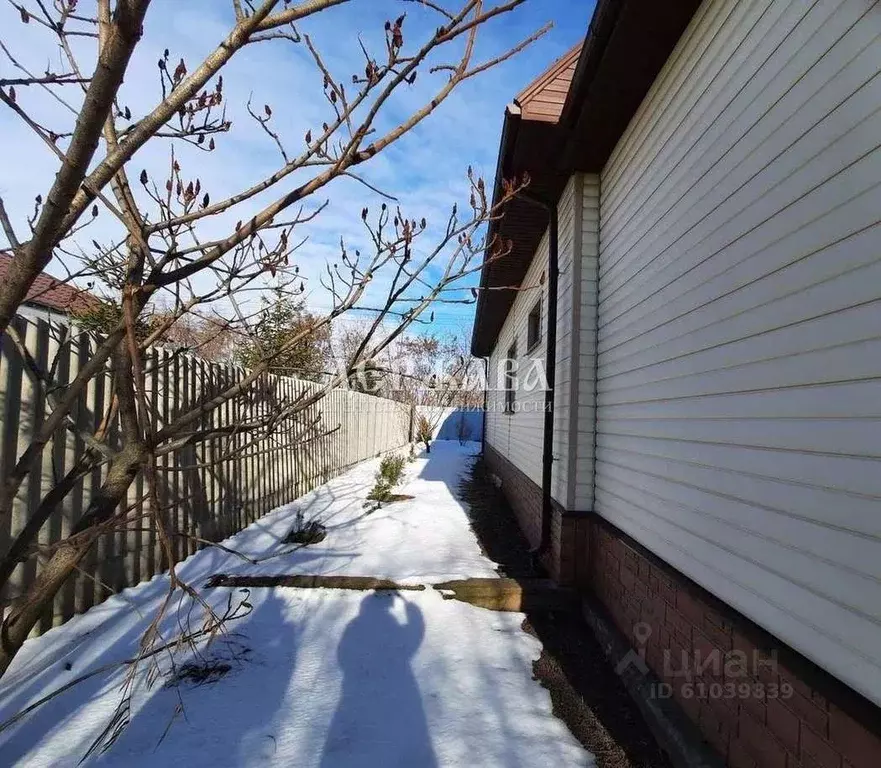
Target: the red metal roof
pixel 52 293
pixel 543 99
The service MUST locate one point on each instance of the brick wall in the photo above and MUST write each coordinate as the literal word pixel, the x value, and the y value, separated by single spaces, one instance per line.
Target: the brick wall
pixel 568 531
pixel 782 712
pixel 522 494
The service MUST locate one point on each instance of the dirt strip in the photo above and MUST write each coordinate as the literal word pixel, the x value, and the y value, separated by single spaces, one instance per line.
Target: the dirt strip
pixel 586 693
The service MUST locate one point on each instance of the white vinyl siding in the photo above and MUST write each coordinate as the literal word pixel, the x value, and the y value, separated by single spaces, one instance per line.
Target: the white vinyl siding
pixel 739 387
pixel 519 436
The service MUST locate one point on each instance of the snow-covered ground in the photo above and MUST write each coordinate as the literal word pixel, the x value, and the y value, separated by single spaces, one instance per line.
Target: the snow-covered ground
pixel 317 677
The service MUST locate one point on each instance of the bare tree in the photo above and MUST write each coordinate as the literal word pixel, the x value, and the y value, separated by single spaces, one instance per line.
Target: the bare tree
pixel 171 260
pixel 441 376
pixel 434 370
pixel 421 367
pixel 428 373
pixel 207 337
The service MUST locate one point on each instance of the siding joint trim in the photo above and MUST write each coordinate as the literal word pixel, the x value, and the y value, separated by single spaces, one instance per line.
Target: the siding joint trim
pixel 575 337
pixel 596 344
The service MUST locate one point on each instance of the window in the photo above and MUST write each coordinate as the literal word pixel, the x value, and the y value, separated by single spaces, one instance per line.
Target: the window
pixel 511 378
pixel 533 327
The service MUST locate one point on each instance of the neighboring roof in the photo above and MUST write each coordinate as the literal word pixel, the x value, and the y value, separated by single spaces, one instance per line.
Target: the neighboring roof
pixel 53 294
pixel 544 97
pixel 626 46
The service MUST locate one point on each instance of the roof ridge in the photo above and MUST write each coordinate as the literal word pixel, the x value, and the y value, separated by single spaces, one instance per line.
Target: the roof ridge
pixel 551 73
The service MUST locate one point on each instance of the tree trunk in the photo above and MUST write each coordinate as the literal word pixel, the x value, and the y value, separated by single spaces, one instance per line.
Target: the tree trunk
pixel 19 549
pixel 25 612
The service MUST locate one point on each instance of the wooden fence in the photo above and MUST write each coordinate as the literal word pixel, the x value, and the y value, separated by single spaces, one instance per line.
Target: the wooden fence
pixel 206 493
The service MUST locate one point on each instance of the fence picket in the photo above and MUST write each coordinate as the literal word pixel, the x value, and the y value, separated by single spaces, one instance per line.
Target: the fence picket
pixel 196 496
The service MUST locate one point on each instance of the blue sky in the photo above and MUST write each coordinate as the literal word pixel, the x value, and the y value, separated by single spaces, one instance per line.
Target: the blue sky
pixel 425 170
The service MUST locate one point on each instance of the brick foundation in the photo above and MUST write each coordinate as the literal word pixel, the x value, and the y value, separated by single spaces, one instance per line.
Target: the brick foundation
pixel 522 494
pixel 782 711
pixel 568 532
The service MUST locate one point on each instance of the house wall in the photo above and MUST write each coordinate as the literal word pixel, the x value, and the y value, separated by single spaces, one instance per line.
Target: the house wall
pixel 739 340
pixel 518 436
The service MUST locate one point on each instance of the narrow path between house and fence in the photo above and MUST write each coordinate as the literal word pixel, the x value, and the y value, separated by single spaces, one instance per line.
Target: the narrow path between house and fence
pixel 401 672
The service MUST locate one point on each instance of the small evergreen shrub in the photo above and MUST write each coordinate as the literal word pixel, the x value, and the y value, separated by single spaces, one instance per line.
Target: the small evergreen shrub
pixel 382 491
pixel 391 470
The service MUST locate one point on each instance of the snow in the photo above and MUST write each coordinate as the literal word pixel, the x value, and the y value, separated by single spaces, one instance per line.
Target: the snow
pixel 326 678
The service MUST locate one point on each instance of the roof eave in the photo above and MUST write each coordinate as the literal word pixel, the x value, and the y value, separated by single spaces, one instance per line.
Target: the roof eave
pixel 610 82
pixel 607 88
pixel 507 142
